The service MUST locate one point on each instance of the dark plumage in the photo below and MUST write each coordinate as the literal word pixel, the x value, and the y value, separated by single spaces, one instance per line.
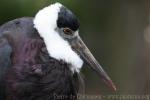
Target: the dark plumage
pixel 30 76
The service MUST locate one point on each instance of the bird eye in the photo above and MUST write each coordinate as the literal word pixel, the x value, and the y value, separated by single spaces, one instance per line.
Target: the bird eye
pixel 67 31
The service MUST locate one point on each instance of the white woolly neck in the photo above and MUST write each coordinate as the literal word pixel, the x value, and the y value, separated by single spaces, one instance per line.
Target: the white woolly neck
pixel 45 22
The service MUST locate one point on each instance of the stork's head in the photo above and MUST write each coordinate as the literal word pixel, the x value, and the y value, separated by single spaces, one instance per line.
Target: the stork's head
pixel 59 28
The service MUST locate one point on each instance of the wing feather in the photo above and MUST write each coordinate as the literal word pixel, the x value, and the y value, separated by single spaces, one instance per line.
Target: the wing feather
pixel 5 63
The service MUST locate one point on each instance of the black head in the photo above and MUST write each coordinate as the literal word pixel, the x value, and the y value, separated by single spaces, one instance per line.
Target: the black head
pixel 66 19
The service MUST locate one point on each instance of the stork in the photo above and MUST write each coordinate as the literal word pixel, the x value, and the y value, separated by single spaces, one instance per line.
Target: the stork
pixel 41 57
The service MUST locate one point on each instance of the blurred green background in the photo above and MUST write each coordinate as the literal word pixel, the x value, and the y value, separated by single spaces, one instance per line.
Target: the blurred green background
pixel 116 31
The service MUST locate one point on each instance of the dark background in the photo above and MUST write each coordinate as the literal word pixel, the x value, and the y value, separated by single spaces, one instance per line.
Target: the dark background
pixel 116 31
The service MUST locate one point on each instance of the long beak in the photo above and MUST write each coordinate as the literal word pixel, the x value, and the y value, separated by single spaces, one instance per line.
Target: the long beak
pixel 79 47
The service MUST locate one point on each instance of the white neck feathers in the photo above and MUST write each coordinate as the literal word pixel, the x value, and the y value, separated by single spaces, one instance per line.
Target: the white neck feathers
pixel 45 22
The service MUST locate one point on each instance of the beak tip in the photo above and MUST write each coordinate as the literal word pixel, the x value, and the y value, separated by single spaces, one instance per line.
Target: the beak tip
pixel 114 88
pixel 111 85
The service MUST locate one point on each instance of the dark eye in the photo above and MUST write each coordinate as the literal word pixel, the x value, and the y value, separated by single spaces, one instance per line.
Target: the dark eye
pixel 67 31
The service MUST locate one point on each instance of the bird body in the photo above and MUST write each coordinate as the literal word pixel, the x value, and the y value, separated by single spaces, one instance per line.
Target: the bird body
pixel 43 77
pixel 41 57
